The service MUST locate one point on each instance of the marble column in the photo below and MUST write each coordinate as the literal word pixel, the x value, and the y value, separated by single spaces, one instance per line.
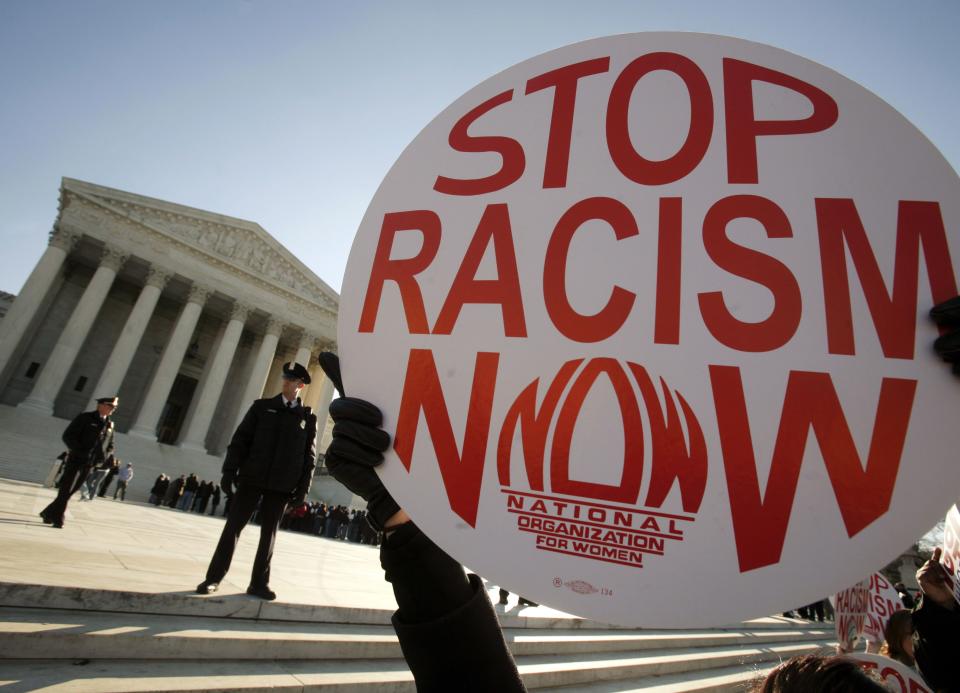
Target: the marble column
pixel 304 353
pixel 74 333
pixel 117 365
pixel 208 397
pixel 14 326
pixel 257 379
pixel 149 416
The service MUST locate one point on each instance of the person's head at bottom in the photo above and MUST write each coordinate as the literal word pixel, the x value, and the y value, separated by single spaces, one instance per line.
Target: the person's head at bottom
pixel 824 674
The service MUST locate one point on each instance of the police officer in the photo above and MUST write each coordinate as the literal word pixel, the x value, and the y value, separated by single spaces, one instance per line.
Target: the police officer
pixel 271 457
pixel 89 441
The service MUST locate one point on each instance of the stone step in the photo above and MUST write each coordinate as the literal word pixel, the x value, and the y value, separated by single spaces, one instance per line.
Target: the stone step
pixel 544 672
pixel 239 605
pixel 34 633
pixel 374 676
pixel 724 680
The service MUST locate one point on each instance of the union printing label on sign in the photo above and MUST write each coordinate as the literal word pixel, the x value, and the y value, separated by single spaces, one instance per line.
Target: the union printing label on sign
pixel 646 319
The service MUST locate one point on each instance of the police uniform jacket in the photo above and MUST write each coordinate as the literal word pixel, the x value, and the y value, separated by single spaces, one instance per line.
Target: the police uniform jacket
pixel 274 447
pixel 89 438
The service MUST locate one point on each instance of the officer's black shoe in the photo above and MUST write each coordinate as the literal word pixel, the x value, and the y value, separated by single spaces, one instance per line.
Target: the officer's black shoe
pixel 58 524
pixel 46 518
pixel 262 592
pixel 207 587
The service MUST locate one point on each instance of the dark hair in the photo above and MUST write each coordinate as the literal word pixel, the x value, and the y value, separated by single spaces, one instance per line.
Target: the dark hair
pixel 819 673
pixel 899 626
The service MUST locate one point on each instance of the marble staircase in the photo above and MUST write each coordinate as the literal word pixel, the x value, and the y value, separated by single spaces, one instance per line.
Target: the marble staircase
pixel 68 639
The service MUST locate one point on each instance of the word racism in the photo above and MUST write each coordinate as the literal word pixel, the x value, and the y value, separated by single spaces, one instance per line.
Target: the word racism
pixel 863 487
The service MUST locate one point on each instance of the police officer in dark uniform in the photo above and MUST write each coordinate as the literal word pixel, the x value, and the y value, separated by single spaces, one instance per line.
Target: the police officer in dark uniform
pixel 89 441
pixel 271 457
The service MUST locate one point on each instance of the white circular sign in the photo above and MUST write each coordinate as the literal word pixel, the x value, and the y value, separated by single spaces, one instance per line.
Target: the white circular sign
pixel 646 316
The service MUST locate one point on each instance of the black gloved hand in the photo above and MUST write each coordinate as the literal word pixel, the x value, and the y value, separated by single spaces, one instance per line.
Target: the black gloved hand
pixel 947 345
pixel 227 481
pixel 357 447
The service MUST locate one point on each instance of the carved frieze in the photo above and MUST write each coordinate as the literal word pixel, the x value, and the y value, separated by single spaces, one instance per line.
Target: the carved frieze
pixel 238 250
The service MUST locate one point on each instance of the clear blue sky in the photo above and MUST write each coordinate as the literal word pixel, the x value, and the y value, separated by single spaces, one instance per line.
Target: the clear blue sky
pixel 290 112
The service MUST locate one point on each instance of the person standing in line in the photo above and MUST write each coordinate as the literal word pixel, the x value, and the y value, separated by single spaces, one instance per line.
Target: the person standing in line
pixel 214 500
pixel 124 477
pixel 189 490
pixel 272 455
pixel 97 474
pixel 203 496
pixel 89 441
pixel 157 490
pixel 112 472
pixel 173 493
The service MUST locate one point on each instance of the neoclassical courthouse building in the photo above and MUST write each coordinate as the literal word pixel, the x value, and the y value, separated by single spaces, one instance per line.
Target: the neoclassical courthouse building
pixel 187 315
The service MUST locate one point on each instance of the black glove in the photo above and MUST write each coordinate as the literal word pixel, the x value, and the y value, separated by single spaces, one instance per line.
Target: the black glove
pixel 357 447
pixel 227 481
pixel 947 345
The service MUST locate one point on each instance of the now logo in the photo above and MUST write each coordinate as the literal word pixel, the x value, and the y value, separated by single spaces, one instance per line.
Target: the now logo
pixel 862 489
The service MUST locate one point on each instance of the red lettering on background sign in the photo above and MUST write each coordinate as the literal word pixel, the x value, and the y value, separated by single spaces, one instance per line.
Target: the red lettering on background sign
pixel 760 521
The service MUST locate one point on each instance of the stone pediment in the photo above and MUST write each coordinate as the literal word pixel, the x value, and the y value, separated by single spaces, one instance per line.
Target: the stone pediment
pixel 235 244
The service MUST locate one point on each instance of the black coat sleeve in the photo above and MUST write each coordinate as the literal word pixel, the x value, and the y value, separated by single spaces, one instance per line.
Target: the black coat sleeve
pixel 461 651
pixel 448 630
pixel 936 643
pixel 239 448
pixel 71 436
pixel 309 455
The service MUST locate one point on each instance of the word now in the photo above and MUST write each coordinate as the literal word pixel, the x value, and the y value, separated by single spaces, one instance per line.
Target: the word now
pixel 810 403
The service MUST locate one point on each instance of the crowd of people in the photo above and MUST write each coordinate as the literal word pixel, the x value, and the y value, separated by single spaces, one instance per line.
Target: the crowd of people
pixel 187 493
pixel 332 522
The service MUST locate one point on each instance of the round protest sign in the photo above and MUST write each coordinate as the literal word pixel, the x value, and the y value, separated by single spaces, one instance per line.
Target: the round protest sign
pixel 897 677
pixel 646 317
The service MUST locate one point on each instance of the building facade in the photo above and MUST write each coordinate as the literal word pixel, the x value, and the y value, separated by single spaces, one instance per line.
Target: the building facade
pixel 187 315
